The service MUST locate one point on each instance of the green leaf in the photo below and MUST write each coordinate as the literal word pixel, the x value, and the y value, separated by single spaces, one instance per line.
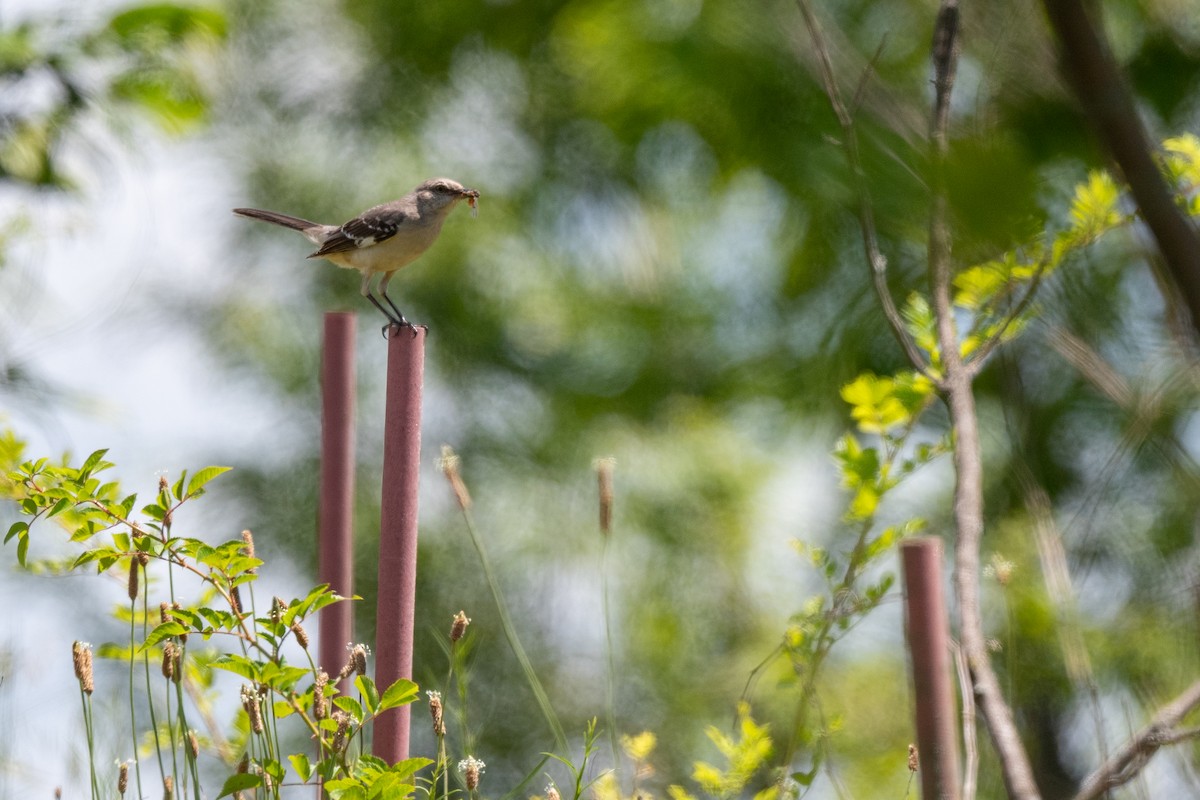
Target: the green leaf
pixel 873 404
pixel 409 766
pixel 238 665
pixel 126 505
pixel 370 694
pixel 858 465
pixel 177 487
pixel 203 477
pixel 400 693
pixel 19 528
pixel 1094 209
pixel 919 319
pixel 155 23
pixel 302 766
pixel 162 632
pixel 155 512
pixel 345 789
pixel 92 462
pixel 239 782
pixel 1182 161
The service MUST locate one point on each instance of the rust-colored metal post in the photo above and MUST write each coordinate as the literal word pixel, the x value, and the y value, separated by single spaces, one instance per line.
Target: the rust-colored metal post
pixel 335 527
pixel 929 644
pixel 394 618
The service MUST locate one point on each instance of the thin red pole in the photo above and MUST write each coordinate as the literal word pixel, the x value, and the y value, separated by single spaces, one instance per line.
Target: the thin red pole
pixel 929 644
pixel 398 532
pixel 336 512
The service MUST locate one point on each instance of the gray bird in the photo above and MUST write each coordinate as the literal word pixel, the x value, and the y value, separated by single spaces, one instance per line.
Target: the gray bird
pixel 382 239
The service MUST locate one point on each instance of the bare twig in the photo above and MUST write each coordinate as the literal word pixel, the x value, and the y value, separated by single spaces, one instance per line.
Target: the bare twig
pixel 1110 110
pixel 971 766
pixel 968 459
pixel 1123 765
pixel 866 213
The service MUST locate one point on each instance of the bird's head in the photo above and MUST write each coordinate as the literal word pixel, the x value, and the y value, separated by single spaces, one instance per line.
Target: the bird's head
pixel 442 194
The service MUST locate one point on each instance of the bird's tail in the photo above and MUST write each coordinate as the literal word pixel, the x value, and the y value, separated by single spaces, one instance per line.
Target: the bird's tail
pixel 275 218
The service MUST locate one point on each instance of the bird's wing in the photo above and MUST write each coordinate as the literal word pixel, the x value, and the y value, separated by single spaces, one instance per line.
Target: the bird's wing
pixel 369 228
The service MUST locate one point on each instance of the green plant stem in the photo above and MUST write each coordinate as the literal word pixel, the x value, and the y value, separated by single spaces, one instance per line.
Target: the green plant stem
pixel 611 679
pixel 90 732
pixel 510 634
pixel 162 769
pixel 171 733
pixel 137 761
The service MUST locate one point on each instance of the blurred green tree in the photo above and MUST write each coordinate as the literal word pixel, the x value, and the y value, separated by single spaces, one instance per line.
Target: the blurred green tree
pixel 667 268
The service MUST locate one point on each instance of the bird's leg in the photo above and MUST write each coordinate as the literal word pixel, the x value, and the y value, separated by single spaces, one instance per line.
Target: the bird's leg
pixel 397 319
pixel 383 284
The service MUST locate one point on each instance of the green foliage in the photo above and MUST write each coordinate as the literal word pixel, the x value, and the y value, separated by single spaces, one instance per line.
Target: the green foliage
pixel 746 755
pixel 147 58
pixel 99 518
pixel 579 779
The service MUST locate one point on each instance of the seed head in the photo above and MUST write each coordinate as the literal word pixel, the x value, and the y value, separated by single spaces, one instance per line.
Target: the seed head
pixel 461 621
pixel 343 724
pixel 168 788
pixel 235 600
pixel 358 660
pixel 552 793
pixel 253 707
pixel 81 658
pixel 435 711
pixel 301 635
pixel 604 477
pixel 248 547
pixel 164 612
pixel 122 777
pixel 1000 568
pixel 319 706
pixel 175 607
pixel 449 463
pixel 169 661
pixel 913 760
pixel 193 744
pixel 471 768
pixel 132 586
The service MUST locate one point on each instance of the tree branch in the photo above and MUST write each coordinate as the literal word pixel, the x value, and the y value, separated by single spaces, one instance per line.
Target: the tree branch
pixel 866 213
pixel 1126 762
pixel 971 767
pixel 1109 108
pixel 968 459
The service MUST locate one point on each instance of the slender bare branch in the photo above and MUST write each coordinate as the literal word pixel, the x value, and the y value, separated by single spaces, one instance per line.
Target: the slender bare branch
pixel 1109 107
pixel 866 213
pixel 968 459
pixel 971 752
pixel 1123 765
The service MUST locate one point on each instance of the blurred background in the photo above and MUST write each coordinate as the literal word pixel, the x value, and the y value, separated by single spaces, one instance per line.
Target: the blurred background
pixel 665 269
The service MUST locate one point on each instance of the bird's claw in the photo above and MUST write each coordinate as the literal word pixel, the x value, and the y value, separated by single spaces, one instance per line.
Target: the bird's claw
pixel 401 323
